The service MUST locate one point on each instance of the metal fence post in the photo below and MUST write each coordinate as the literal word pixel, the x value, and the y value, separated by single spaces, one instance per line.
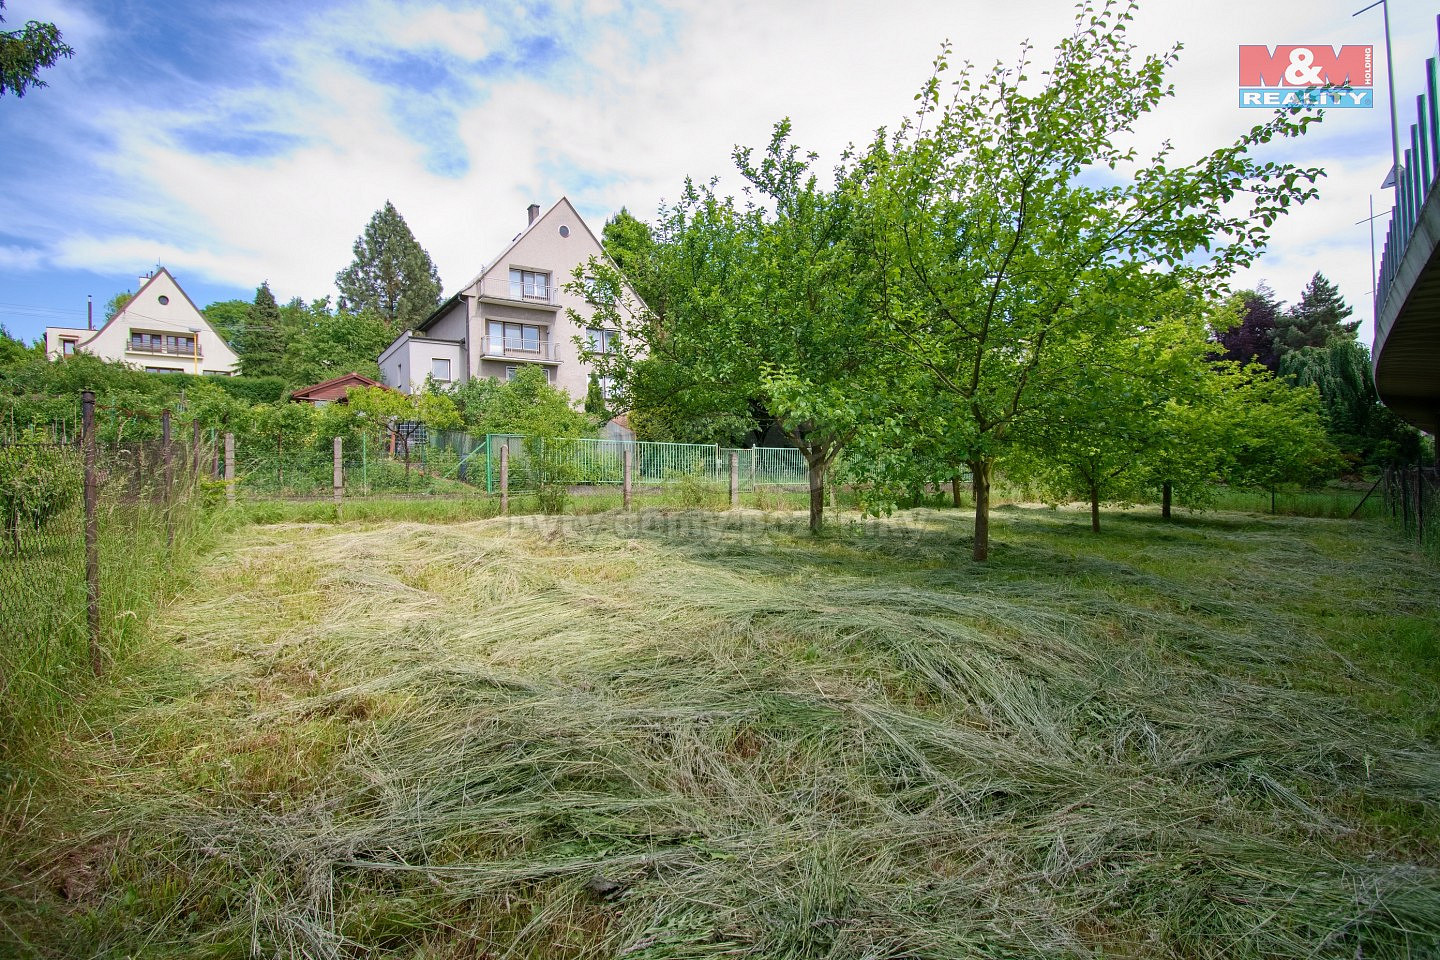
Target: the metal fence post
pixel 230 468
pixel 92 529
pixel 504 478
pixel 168 455
pixel 734 481
pixel 339 472
pixel 627 472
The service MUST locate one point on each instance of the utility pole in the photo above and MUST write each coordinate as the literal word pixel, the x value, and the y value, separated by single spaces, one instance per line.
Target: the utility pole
pixel 1394 179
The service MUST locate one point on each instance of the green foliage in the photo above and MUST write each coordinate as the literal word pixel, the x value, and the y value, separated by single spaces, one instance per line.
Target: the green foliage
pixel 325 343
pixel 1269 433
pixel 594 397
pixel 1003 260
pixel 1366 431
pixel 37 481
pixel 1316 321
pixel 262 340
pixel 251 389
pixel 117 303
pixel 228 318
pixel 25 52
pixel 526 405
pixel 391 276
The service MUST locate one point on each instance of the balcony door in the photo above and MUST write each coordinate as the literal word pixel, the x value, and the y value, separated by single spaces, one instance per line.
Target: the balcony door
pixel 509 339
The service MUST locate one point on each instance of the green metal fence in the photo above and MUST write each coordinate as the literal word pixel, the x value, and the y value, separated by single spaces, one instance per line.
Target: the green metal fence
pixel 582 462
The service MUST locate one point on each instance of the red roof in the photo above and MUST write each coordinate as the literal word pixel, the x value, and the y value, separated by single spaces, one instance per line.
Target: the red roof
pixel 335 388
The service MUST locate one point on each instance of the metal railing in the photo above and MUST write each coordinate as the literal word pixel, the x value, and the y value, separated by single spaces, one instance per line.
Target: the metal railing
pixel 517 348
pixel 500 288
pixel 1420 165
pixel 192 352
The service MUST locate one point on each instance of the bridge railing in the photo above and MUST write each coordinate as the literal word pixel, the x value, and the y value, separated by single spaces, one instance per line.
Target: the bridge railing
pixel 1420 167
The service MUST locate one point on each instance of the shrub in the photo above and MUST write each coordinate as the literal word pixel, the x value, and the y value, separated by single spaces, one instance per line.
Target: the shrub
pixel 37 481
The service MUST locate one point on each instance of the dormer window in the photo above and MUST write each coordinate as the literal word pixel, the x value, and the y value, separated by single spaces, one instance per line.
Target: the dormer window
pixel 529 285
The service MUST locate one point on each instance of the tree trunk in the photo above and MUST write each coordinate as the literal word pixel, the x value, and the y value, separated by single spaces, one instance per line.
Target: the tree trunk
pixel 1166 494
pixel 817 494
pixel 980 474
pixel 955 490
pixel 1094 508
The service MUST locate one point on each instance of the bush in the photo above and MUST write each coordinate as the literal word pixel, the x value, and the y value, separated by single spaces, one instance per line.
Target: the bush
pixel 37 481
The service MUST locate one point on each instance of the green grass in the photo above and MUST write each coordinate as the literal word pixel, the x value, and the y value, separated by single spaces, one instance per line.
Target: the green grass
pixel 678 734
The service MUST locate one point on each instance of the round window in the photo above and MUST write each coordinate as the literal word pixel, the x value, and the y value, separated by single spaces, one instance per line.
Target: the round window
pixel 564 231
pixel 164 299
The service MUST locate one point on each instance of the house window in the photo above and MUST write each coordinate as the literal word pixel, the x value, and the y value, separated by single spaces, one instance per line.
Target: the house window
pixel 163 370
pixel 604 341
pixel 607 388
pixel 440 369
pixel 67 348
pixel 529 285
pixel 164 300
pixel 514 337
pixel 510 371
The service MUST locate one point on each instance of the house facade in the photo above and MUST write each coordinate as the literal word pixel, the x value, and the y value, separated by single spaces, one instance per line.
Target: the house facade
pixel 511 315
pixel 160 330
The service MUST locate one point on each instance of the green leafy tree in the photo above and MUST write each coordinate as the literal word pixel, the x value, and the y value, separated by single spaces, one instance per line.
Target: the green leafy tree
pixel 1247 334
pixel 1365 430
pixel 1270 433
pixel 391 276
pixel 769 312
pixel 1002 253
pixel 1094 438
pixel 594 398
pixel 228 318
pixel 631 244
pixel 262 341
pixel 117 303
pixel 25 52
pixel 1316 321
pixel 326 343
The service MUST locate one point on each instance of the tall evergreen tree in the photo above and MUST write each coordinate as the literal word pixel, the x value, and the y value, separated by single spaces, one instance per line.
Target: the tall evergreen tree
pixel 391 274
pixel 1316 320
pixel 1252 340
pixel 262 343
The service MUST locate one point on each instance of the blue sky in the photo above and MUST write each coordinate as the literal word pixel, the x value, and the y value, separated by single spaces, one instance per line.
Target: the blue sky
pixel 248 141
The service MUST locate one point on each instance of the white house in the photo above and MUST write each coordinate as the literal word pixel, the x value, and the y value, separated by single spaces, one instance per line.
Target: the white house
pixel 511 314
pixel 159 330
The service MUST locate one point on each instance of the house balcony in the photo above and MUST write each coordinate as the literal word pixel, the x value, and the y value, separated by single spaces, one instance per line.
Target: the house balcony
pixel 517 348
pixel 500 290
pixel 151 350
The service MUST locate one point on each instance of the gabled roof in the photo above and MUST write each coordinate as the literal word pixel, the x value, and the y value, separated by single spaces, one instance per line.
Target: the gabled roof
pixel 345 379
pixel 153 277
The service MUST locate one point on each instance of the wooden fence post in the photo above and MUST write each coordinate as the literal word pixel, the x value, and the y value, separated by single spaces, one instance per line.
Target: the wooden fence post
pixel 230 468
pixel 92 529
pixel 195 454
pixel 734 481
pixel 627 475
pixel 339 470
pixel 504 478
pixel 167 452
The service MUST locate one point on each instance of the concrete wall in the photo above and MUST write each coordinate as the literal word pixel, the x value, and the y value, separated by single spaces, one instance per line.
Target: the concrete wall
pixel 406 363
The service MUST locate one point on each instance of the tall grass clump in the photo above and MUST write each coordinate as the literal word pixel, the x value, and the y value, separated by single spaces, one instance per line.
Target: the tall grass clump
pixel 681 735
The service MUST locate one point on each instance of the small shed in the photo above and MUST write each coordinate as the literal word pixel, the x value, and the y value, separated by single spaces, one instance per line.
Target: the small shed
pixel 334 389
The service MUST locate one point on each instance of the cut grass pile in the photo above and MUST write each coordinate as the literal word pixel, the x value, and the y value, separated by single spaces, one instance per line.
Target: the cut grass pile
pixel 685 735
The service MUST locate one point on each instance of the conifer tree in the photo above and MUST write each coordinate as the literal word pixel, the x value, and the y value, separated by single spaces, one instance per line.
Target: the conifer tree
pixel 262 342
pixel 1252 340
pixel 1316 320
pixel 391 274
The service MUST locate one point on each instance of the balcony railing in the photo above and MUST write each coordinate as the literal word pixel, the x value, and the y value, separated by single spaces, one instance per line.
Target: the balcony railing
pixel 502 289
pixel 516 348
pixel 165 349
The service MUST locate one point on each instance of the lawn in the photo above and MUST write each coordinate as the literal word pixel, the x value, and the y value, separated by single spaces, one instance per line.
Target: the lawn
pixel 682 734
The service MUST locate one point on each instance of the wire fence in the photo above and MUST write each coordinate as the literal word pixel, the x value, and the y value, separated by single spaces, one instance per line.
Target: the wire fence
pixel 457 464
pixel 534 461
pixel 1412 496
pixel 90 535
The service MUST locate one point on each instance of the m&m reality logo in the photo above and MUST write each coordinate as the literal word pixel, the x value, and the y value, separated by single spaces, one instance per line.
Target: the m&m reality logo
pixel 1312 75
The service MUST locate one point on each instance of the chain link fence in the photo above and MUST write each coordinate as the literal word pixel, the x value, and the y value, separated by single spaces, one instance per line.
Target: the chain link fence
pixel 1412 497
pixel 90 535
